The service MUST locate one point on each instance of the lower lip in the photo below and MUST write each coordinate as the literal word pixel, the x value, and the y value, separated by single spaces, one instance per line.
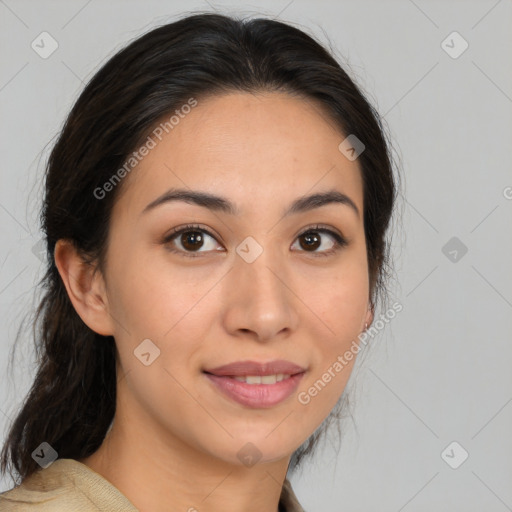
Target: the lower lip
pixel 256 395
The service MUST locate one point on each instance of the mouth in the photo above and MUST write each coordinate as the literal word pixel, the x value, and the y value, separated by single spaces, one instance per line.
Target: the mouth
pixel 256 385
pixel 259 379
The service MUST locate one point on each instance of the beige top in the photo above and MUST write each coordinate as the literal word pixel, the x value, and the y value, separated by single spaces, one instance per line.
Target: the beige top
pixel 70 486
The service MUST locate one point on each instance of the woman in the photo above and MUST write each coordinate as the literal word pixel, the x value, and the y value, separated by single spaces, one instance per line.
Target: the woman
pixel 215 214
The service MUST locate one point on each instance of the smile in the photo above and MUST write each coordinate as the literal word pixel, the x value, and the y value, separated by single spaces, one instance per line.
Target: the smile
pixel 261 379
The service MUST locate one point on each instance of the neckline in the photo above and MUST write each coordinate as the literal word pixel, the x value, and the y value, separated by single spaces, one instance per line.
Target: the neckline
pixel 77 472
pixel 72 467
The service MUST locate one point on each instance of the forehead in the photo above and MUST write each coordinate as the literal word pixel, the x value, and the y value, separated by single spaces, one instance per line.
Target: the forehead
pixel 259 150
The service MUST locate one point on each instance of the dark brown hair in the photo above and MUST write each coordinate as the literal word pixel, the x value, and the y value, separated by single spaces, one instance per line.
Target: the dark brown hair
pixel 71 403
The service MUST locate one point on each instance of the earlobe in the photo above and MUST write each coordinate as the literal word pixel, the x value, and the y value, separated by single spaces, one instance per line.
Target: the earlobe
pixel 85 288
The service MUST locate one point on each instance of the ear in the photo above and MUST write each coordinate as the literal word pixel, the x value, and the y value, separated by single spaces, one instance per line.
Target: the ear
pixel 86 288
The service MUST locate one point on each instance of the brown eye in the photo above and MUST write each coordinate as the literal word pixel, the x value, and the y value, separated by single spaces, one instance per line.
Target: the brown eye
pixel 313 239
pixel 192 240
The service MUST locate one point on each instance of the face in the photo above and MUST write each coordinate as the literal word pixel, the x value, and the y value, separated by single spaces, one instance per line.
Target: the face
pixel 260 283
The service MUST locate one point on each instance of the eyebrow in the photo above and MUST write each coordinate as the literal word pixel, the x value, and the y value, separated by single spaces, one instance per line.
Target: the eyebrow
pixel 221 204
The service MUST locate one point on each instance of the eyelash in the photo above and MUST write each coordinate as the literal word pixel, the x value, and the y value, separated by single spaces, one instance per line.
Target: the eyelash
pixel 339 241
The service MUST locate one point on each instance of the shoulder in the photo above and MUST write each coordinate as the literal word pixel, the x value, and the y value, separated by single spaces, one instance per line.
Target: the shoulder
pixel 288 501
pixel 65 485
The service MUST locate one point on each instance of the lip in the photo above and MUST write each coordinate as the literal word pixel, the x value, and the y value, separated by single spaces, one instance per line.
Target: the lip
pixel 259 396
pixel 244 368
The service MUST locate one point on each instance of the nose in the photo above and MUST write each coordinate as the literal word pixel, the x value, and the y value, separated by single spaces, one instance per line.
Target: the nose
pixel 260 302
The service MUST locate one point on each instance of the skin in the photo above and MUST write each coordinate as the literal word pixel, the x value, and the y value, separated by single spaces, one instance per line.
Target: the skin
pixel 175 438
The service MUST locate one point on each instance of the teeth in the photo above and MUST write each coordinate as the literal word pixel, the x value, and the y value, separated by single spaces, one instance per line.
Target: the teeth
pixel 262 379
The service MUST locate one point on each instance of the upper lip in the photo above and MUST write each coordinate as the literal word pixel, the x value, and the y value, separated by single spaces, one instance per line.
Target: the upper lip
pixel 244 368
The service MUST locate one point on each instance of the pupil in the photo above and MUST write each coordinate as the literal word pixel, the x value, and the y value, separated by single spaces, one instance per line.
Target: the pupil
pixel 192 240
pixel 311 240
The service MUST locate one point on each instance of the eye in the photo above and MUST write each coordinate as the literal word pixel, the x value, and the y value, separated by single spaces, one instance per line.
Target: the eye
pixel 192 239
pixel 188 240
pixel 311 239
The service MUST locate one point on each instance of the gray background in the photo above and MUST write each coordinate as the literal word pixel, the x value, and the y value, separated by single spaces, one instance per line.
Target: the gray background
pixel 440 372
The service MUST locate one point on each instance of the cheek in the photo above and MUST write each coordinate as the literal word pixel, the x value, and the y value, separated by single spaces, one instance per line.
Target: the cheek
pixel 340 304
pixel 340 298
pixel 170 307
pixel 174 308
pixel 155 296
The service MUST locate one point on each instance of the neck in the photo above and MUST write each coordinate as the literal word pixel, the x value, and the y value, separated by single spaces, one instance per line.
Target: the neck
pixel 158 472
